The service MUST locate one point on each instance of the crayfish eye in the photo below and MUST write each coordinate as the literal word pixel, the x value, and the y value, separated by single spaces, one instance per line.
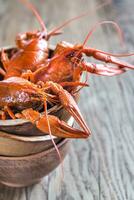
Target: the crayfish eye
pixel 70 55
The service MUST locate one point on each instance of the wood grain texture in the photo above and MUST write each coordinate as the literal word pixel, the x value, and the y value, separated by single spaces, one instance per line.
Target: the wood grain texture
pixel 101 167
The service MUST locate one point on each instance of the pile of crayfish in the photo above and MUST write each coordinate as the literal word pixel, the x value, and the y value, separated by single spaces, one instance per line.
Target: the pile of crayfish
pixel 33 80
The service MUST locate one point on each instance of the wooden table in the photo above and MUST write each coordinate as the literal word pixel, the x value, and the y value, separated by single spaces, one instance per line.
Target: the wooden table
pixel 101 167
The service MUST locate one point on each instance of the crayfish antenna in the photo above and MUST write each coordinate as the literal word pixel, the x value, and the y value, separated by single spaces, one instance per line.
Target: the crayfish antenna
pixel 77 17
pixel 43 124
pixel 104 56
pixel 74 84
pixel 117 27
pixel 2 72
pixel 50 133
pixel 35 12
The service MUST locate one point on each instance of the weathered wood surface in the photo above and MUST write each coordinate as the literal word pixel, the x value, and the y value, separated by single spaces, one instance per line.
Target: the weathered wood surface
pixel 102 167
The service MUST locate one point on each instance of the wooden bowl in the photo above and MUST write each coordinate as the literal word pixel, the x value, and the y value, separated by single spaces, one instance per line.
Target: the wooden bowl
pixel 27 170
pixel 21 126
pixel 13 145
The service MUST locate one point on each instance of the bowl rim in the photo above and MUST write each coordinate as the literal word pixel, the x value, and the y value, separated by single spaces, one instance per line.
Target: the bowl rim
pixel 34 156
pixel 32 138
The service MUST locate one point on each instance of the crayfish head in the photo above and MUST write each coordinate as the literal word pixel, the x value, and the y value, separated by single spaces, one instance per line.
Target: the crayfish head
pixel 75 54
pixel 63 47
pixel 69 51
pixel 36 34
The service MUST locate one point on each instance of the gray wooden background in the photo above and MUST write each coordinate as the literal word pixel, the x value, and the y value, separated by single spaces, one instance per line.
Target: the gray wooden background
pixel 101 167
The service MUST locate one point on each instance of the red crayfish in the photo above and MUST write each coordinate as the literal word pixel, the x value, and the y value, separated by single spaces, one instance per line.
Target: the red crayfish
pixel 32 47
pixel 68 63
pixel 17 94
pixel 48 78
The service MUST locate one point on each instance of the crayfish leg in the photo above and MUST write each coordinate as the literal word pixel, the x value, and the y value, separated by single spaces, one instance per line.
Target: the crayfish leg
pixel 2 115
pixel 31 115
pixel 73 84
pixel 28 75
pixel 4 60
pixel 10 112
pixel 2 72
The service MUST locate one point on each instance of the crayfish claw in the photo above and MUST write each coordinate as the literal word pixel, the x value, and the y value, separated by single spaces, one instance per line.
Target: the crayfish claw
pixel 69 104
pixel 102 69
pixel 59 128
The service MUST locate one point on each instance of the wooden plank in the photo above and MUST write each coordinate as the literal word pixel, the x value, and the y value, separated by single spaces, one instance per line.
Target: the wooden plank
pixel 102 166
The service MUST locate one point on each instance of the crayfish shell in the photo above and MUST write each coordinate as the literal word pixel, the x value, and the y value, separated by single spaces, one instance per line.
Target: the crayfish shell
pixel 24 127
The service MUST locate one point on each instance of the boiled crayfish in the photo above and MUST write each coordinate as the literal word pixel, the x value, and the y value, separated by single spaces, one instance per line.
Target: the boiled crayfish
pixel 68 63
pixel 48 78
pixel 17 94
pixel 32 47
